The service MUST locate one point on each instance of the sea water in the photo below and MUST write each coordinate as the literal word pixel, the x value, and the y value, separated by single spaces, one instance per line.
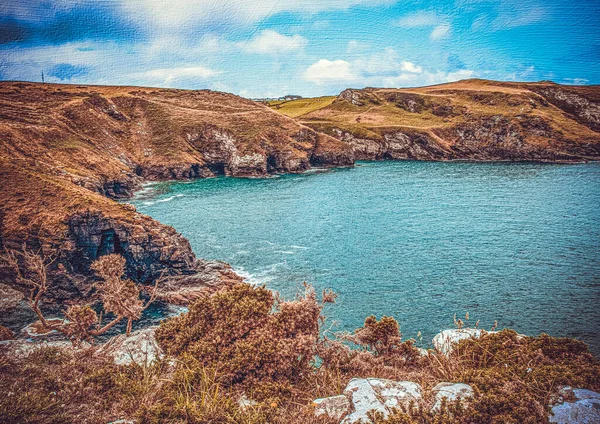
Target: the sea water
pixel 420 241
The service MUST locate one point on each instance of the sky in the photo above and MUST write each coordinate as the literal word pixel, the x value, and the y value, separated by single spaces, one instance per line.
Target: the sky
pixel 270 48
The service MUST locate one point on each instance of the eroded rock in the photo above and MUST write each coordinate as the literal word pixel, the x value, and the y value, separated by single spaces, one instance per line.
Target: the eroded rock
pixel 363 395
pixel 446 339
pixel 139 347
pixel 451 392
pixel 334 407
pixel 577 406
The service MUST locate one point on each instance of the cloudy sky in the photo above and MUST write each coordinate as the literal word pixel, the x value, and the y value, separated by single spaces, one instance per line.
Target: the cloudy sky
pixel 267 48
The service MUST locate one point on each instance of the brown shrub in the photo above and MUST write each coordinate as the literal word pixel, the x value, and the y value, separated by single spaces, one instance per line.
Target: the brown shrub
pixel 5 333
pixel 247 334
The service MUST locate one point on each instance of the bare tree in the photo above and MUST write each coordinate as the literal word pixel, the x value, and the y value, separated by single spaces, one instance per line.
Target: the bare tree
pixel 119 296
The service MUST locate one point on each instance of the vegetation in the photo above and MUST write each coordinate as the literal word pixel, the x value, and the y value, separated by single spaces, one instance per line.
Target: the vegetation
pixel 243 355
pixel 298 107
pixel 120 297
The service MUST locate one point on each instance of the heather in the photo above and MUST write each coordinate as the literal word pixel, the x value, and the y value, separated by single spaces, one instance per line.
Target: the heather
pixel 244 355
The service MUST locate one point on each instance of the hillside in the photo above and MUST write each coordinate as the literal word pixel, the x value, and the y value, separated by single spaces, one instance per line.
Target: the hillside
pixel 66 151
pixel 466 120
pixel 299 107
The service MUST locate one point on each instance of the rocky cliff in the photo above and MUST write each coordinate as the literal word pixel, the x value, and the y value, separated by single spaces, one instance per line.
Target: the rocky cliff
pixel 66 151
pixel 467 120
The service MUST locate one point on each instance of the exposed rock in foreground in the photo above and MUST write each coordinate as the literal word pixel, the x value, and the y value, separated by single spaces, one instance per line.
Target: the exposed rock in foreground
pixel 576 406
pixel 445 340
pixel 363 395
pixel 451 392
pixel 139 347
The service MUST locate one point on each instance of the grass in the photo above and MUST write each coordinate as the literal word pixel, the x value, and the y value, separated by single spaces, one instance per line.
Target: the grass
pixel 297 108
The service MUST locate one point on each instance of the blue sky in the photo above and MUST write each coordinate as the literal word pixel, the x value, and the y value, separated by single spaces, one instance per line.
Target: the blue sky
pixel 268 48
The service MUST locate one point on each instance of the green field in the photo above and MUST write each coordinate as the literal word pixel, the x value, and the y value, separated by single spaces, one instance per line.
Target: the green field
pixel 296 108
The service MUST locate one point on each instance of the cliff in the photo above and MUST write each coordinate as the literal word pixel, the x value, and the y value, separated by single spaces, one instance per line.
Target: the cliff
pixel 66 151
pixel 466 120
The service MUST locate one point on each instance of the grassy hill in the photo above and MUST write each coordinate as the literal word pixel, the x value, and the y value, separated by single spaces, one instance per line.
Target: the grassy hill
pixel 299 107
pixel 472 119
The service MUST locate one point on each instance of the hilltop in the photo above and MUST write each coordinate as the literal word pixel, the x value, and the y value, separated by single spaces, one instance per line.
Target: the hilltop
pixel 465 120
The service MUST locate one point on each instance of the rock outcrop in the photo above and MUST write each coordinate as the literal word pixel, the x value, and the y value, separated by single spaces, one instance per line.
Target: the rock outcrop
pixel 445 340
pixel 363 395
pixel 451 392
pixel 139 347
pixel 576 406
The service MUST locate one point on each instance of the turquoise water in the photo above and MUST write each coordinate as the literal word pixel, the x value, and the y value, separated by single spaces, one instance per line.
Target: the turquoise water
pixel 421 241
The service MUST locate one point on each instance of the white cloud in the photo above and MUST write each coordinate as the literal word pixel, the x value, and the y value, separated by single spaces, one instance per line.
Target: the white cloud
pixel 383 69
pixel 411 67
pixel 418 19
pixel 272 42
pixel 441 31
pixel 327 71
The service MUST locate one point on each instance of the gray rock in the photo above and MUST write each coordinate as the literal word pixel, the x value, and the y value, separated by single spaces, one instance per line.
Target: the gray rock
pixel 140 347
pixel 244 403
pixel 577 406
pixel 445 340
pixel 373 394
pixel 335 407
pixel 452 392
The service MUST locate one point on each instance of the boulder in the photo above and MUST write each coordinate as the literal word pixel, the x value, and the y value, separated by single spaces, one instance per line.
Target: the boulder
pixel 140 347
pixel 245 403
pixel 334 407
pixel 576 406
pixel 363 395
pixel 444 340
pixel 451 392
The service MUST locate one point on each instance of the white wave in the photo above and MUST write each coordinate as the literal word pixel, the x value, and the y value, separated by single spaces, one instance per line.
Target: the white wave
pixel 298 247
pixel 166 199
pixel 264 276
pixel 176 309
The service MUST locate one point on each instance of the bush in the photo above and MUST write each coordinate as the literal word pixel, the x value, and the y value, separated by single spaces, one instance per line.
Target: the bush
pixel 247 335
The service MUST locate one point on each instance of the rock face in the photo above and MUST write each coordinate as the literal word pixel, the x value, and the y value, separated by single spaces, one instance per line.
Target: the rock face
pixel 139 347
pixel 445 340
pixel 14 308
pixel 451 392
pixel 363 395
pixel 577 406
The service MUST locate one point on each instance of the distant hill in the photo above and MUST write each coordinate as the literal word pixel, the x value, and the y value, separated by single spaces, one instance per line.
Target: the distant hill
pixel 471 120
